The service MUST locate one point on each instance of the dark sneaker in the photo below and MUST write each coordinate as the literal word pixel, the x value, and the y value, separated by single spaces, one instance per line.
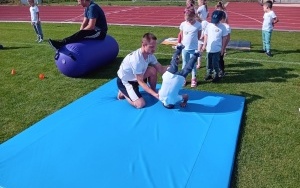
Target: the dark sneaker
pixel 222 74
pixel 197 53
pixel 262 51
pixel 269 54
pixel 208 77
pixel 55 44
pixel 180 47
pixel 169 106
pixel 178 51
pixel 216 79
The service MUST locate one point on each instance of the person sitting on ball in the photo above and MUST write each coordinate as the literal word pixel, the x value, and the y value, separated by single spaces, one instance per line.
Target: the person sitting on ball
pixel 93 26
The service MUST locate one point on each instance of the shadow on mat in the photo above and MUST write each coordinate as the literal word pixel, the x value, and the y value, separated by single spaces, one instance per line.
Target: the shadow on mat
pixel 204 102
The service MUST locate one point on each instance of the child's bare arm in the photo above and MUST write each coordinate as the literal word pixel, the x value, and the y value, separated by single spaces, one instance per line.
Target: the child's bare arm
pixel 275 20
pixel 204 43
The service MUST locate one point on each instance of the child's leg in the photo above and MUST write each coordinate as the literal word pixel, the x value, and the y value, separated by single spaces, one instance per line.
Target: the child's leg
pixel 216 62
pixel 39 30
pixel 209 67
pixel 222 63
pixel 35 28
pixel 189 65
pixel 173 68
pixel 185 57
pixel 268 35
pixel 264 40
pixel 194 70
pixel 199 58
pixel 194 73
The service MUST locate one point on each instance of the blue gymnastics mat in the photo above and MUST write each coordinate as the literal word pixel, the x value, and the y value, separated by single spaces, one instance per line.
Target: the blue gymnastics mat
pixel 98 141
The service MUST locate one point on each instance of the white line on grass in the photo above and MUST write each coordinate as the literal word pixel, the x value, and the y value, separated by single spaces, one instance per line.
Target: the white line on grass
pixel 232 58
pixel 169 54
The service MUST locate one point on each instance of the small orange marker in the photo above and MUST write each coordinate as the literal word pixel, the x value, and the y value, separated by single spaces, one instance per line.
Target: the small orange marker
pixel 41 76
pixel 13 72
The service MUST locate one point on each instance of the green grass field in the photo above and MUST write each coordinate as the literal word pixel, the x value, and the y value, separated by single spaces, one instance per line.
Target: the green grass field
pixel 268 153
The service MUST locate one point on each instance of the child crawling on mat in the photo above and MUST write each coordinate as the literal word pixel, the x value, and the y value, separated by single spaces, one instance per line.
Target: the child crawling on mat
pixel 173 80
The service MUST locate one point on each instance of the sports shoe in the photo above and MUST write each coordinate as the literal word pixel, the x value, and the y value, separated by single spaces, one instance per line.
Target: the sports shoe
pixel 197 53
pixel 55 44
pixel 222 74
pixel 208 77
pixel 193 82
pixel 41 40
pixel 180 46
pixel 120 96
pixel 217 78
pixel 269 54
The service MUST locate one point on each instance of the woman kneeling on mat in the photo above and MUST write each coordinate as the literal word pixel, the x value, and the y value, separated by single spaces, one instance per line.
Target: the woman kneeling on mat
pixel 93 26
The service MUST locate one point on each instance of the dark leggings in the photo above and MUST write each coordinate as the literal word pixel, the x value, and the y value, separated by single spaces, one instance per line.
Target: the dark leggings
pixel 84 34
pixel 186 69
pixel 222 63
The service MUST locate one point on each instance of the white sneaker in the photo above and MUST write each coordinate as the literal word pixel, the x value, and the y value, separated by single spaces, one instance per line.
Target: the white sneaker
pixel 41 40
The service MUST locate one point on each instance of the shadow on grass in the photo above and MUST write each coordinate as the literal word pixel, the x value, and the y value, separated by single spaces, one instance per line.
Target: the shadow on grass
pixel 252 75
pixel 244 65
pixel 106 72
pixel 250 98
pixel 14 48
pixel 273 51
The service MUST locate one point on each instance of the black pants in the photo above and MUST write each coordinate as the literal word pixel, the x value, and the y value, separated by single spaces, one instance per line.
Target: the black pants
pixel 222 63
pixel 83 35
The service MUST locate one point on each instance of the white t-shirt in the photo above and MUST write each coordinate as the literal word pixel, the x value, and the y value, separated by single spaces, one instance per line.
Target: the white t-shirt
pixel 202 12
pixel 190 34
pixel 133 64
pixel 228 29
pixel 204 24
pixel 171 84
pixel 215 33
pixel 268 20
pixel 33 13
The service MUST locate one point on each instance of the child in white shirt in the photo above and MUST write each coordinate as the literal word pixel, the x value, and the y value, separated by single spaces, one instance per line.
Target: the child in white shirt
pixel 173 80
pixel 228 29
pixel 35 20
pixel 202 13
pixel 190 32
pixel 270 19
pixel 214 43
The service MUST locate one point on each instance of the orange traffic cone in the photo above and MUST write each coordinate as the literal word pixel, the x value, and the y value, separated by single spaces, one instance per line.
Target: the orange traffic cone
pixel 13 72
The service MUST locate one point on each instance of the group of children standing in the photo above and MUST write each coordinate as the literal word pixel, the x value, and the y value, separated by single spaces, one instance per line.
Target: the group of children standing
pixel 197 34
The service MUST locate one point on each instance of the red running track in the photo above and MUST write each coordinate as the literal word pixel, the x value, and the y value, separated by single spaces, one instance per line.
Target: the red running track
pixel 241 15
